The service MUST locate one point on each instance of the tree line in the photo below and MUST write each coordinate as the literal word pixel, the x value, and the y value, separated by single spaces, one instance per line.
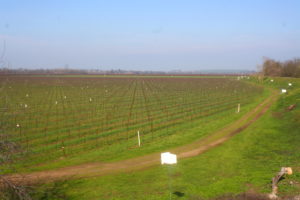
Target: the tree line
pixel 289 68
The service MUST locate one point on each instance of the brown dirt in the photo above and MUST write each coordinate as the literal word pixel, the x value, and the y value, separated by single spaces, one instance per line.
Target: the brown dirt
pixel 291 107
pixel 138 163
pixel 244 196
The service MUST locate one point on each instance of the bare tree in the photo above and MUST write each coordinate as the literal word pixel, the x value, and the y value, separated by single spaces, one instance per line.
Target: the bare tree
pixel 289 68
pixel 8 188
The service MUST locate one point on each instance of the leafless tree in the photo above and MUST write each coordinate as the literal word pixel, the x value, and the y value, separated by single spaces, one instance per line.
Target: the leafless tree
pixel 9 189
pixel 289 68
pixel 271 67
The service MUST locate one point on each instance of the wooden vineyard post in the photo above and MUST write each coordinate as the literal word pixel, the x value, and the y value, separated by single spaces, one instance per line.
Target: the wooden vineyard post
pixel 238 108
pixel 27 142
pixel 57 139
pixel 63 148
pixel 20 131
pixel 139 140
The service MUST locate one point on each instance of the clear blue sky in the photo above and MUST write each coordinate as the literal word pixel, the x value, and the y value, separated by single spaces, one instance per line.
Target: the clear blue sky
pixel 149 35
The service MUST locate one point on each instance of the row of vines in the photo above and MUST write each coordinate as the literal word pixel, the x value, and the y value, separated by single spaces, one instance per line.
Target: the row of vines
pixel 54 117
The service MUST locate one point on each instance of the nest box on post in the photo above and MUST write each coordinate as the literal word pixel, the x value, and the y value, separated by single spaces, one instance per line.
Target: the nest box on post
pixel 168 158
pixel 283 91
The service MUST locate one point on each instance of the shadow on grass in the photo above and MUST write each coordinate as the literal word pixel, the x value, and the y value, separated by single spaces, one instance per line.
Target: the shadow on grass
pixel 178 194
pixel 55 190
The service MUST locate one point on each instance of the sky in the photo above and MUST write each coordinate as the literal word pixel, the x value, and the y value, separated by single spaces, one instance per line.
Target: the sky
pixel 154 35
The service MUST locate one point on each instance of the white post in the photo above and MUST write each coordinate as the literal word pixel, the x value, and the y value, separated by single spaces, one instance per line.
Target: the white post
pixel 239 106
pixel 139 140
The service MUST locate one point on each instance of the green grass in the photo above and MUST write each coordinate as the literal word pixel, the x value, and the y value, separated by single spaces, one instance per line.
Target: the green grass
pixel 278 82
pixel 203 128
pixel 246 162
pixel 104 129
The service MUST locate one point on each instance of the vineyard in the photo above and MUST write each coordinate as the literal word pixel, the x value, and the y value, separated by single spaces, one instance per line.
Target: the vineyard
pixel 86 118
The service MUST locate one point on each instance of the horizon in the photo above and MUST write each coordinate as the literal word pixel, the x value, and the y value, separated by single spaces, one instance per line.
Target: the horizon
pixel 121 71
pixel 148 36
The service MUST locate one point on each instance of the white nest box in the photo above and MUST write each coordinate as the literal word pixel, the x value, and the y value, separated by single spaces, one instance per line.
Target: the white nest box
pixel 283 90
pixel 168 158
